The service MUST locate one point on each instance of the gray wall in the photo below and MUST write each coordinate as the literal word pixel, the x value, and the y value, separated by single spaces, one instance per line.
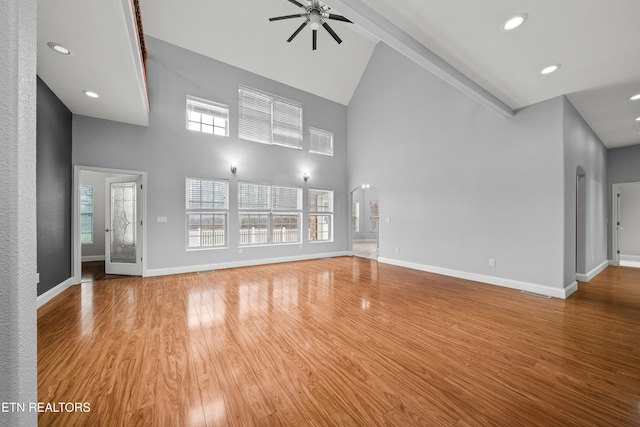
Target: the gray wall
pixel 622 166
pixel 169 153
pixel 584 150
pixel 53 189
pixel 459 183
pixel 18 238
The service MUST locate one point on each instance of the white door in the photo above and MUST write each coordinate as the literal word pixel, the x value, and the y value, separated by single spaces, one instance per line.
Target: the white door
pixel 123 227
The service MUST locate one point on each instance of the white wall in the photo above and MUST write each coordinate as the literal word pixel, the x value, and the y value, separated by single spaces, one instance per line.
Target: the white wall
pixel 460 184
pixel 169 153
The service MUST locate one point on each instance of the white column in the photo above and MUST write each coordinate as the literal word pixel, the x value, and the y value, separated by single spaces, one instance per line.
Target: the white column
pixel 18 240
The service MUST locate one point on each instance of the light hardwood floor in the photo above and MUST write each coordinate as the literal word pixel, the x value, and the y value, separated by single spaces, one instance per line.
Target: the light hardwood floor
pixel 343 341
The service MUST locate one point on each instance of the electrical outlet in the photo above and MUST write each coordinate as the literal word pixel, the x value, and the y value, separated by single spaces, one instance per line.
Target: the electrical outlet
pixel 492 262
pixel 161 220
pixel 397 250
pixel 240 250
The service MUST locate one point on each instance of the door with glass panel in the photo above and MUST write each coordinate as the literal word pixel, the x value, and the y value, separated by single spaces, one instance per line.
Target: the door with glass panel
pixel 123 228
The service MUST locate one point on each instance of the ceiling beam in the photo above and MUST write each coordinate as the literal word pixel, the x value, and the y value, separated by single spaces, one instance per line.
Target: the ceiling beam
pixel 379 26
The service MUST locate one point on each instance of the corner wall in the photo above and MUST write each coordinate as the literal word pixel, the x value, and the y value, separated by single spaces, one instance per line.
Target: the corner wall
pixel 54 191
pixel 460 184
pixel 584 149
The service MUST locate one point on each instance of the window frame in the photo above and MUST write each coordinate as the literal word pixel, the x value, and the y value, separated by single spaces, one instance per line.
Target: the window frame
pixel 218 111
pixel 214 211
pixel 316 213
pixel 91 215
pixel 271 212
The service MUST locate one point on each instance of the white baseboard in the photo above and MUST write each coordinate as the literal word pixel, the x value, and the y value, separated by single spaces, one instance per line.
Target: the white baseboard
pixel 491 280
pixel 54 292
pixel 635 258
pixel 93 258
pixel 234 264
pixel 593 273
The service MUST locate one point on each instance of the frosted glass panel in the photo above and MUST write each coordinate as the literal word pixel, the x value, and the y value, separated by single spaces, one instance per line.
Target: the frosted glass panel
pixel 123 222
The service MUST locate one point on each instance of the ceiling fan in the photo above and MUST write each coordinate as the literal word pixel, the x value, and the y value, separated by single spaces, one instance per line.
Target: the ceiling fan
pixel 315 13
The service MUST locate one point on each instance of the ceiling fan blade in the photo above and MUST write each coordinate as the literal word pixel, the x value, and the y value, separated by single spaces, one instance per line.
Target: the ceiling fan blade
pixel 304 24
pixel 315 39
pixel 338 18
pixel 296 3
pixel 333 33
pixel 297 15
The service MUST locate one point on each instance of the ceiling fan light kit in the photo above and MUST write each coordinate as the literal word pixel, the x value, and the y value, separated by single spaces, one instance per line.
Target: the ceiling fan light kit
pixel 316 15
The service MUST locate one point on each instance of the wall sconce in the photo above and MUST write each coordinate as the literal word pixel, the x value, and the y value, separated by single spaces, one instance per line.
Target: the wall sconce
pixel 234 167
pixel 306 176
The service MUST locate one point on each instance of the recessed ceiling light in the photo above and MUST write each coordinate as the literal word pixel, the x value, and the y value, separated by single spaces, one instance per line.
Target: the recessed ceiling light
pixel 59 48
pixel 514 22
pixel 635 97
pixel 550 69
pixel 91 94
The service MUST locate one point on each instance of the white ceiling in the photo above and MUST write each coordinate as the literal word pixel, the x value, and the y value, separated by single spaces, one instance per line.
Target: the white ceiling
pixel 596 42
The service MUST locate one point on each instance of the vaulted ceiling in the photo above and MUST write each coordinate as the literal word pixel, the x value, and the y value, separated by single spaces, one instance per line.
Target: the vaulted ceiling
pixel 596 44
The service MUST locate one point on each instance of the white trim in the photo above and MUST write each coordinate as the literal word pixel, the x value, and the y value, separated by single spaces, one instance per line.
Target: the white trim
pixel 54 292
pixel 235 264
pixel 90 258
pixel 491 280
pixel 593 273
pixel 635 258
pixel 365 240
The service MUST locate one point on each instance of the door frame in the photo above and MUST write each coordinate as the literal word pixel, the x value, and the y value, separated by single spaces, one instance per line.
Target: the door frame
pixel 76 246
pixel 364 209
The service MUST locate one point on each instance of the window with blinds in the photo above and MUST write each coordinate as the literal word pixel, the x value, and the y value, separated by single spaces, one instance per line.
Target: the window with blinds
pixel 207 204
pixel 86 214
pixel 207 116
pixel 321 141
pixel 269 214
pixel 320 215
pixel 269 119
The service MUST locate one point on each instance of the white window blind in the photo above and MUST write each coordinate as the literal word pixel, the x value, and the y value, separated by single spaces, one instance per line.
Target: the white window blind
pixel 254 196
pixel 206 202
pixel 86 213
pixel 287 124
pixel 321 141
pixel 268 119
pixel 207 116
pixel 255 116
pixel 287 199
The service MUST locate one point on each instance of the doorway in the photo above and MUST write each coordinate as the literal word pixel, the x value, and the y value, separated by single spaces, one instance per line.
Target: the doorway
pixel 365 221
pixel 626 224
pixel 108 212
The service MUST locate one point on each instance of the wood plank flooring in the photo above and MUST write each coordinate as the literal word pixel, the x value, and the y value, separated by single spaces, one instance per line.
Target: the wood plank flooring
pixel 343 341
